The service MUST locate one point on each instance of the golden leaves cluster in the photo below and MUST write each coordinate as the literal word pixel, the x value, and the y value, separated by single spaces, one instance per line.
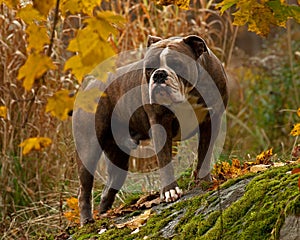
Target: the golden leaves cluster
pixel 90 46
pixel 261 15
pixel 95 48
pixel 72 214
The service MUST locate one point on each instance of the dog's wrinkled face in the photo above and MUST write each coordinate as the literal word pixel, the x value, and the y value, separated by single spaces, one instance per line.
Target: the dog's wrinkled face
pixel 170 68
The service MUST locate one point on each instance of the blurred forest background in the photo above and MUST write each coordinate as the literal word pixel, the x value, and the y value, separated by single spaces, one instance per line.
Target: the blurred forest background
pixel 40 72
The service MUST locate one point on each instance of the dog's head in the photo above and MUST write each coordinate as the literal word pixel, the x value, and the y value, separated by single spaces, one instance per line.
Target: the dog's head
pixel 171 68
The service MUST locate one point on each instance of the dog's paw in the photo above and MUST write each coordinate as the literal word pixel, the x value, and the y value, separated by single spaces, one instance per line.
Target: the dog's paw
pixel 87 221
pixel 172 195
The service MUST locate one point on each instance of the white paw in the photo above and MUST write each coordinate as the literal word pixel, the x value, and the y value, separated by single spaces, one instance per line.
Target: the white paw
pixel 173 194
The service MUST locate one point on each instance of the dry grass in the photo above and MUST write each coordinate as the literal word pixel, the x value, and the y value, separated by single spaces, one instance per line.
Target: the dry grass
pixel 34 187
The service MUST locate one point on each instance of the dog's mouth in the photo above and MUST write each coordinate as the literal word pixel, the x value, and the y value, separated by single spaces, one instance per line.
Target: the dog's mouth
pixel 164 95
pixel 160 94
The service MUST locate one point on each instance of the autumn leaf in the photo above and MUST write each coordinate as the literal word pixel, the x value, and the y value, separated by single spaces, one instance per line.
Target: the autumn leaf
pixel 184 4
pixel 298 112
pixel 94 49
pixel 79 6
pixel 72 214
pixel 136 222
pixel 60 104
pixel 35 66
pixel 36 143
pixel 224 5
pixel 296 130
pixel 296 170
pixel 225 170
pixel 37 37
pixel 264 157
pixel 43 6
pixel 3 112
pixel 88 100
pixel 260 15
pixel 28 14
pixel 11 3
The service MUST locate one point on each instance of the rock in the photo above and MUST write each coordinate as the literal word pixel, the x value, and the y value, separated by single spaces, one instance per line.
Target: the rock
pixel 256 206
pixel 291 228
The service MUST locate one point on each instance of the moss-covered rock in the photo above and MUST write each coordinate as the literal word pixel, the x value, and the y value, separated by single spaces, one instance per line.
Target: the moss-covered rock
pixel 260 206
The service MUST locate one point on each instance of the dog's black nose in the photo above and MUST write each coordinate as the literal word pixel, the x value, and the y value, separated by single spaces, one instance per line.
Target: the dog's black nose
pixel 160 76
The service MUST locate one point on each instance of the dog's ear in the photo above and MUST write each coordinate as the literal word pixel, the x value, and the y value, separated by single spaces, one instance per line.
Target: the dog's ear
pixel 152 39
pixel 197 44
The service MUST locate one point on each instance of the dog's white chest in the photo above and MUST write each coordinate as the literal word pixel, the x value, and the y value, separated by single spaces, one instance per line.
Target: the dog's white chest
pixel 189 116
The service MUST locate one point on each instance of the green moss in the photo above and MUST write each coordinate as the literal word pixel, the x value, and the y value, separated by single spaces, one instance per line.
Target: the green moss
pixel 231 182
pixel 258 214
pixel 294 206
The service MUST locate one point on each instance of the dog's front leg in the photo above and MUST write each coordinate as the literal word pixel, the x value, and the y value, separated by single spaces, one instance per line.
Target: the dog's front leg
pixel 161 135
pixel 209 131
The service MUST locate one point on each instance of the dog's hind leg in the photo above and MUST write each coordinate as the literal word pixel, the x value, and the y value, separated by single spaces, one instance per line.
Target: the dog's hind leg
pixel 117 168
pixel 88 155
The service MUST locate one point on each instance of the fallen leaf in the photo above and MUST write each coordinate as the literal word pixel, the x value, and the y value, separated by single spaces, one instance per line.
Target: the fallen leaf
pixel 264 157
pixel 279 164
pixel 136 222
pixel 296 151
pixel 295 170
pixel 259 168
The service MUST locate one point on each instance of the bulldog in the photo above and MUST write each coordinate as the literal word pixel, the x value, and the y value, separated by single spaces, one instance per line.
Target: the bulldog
pixel 177 90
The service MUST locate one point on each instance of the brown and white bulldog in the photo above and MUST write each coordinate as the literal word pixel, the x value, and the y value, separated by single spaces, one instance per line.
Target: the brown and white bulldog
pixel 176 91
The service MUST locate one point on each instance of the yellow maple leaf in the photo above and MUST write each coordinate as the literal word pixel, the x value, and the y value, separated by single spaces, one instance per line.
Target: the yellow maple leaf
pixel 37 37
pixel 36 143
pixel 296 130
pixel 43 6
pixel 3 112
pixel 88 100
pixel 298 112
pixel 60 104
pixel 35 66
pixel 28 14
pixel 78 6
pixel 10 3
pixel 91 52
pixel 95 48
